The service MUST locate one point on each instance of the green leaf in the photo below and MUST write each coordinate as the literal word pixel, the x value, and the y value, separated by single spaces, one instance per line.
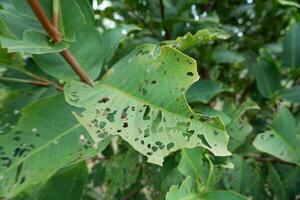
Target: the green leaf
pixel 186 191
pixel 34 43
pixel 244 178
pixel 68 183
pixel 204 90
pixel 289 3
pixel 98 49
pixel 201 37
pixel 191 162
pixel 121 172
pixel 281 141
pixel 46 138
pixel 276 183
pixel 291 94
pixel 148 108
pixel 267 77
pixel 238 129
pixel 224 56
pixel 222 195
pixel 71 17
pixel 291 46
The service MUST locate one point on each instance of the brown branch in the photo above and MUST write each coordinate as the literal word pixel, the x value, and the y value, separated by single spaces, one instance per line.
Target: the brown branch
pixel 162 15
pixel 55 35
pixel 68 56
pixel 48 26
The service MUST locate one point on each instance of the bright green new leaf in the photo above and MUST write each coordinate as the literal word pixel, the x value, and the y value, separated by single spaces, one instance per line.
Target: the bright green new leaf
pixel 291 46
pixel 289 3
pixel 267 77
pixel 142 100
pixel 204 90
pixel 67 184
pixel 291 94
pixel 276 183
pixel 201 37
pixel 281 141
pixel 187 190
pixel 33 42
pixel 46 138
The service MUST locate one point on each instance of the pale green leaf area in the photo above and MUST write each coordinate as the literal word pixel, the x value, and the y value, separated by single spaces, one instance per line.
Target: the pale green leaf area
pixel 91 49
pixel 289 3
pixel 281 141
pixel 33 42
pixel 46 138
pixel 142 100
pixel 204 90
pixel 291 94
pixel 199 38
pixel 186 191
pixel 291 46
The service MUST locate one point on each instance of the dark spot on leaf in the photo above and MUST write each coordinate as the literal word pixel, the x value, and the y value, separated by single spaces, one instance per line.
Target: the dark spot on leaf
pixel 104 100
pixel 125 125
pixel 190 73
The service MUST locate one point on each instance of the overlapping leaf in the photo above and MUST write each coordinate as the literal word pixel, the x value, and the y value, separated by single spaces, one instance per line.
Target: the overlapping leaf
pixel 142 100
pixel 46 138
pixel 282 140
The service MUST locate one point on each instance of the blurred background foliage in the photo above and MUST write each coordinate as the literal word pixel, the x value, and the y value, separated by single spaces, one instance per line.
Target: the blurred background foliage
pixel 251 80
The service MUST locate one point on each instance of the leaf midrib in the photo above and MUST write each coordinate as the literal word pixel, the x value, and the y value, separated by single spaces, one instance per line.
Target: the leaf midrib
pixel 42 147
pixel 152 105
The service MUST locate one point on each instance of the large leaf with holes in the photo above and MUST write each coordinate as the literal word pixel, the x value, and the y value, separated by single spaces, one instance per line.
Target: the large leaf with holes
pixel 142 100
pixel 281 141
pixel 46 138
pixel 291 46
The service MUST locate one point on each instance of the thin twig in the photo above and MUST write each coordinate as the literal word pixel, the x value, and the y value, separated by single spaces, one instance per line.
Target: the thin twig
pixel 48 26
pixel 68 56
pixel 55 35
pixel 55 14
pixel 162 15
pixel 39 83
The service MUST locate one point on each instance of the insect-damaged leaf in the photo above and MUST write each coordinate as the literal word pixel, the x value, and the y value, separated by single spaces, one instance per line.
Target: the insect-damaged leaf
pixel 46 138
pixel 142 100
